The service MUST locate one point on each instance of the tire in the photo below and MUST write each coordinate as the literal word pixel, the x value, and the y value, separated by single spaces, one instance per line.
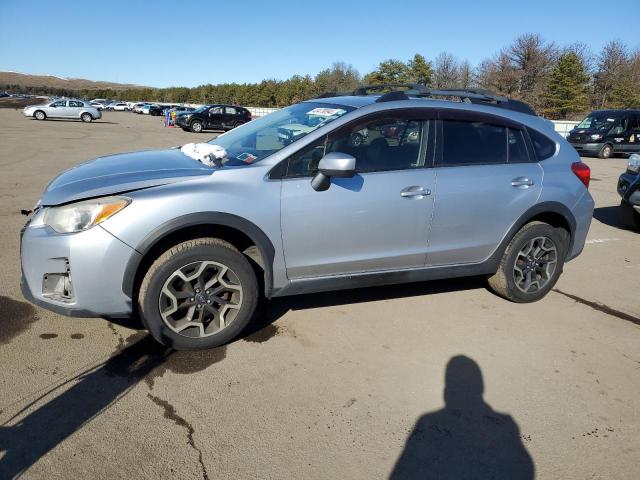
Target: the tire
pixel 39 115
pixel 237 124
pixel 511 284
pixel 86 117
pixel 238 284
pixel 606 151
pixel 196 126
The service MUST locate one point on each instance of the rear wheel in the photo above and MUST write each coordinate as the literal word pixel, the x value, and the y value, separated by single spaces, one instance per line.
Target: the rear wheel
pixel 605 151
pixel 196 126
pixel 531 264
pixel 86 117
pixel 199 294
pixel 40 115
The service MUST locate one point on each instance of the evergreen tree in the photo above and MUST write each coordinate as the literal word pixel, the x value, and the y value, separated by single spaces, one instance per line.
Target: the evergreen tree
pixel 566 92
pixel 420 70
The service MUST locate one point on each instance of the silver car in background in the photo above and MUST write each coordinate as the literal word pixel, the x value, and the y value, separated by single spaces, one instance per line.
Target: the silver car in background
pixel 64 108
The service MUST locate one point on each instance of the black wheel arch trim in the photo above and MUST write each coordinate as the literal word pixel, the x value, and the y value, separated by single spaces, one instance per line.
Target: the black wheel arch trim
pixel 534 211
pixel 255 234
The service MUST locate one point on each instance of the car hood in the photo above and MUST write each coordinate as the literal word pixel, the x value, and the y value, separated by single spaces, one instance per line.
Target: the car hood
pixel 41 105
pixel 122 173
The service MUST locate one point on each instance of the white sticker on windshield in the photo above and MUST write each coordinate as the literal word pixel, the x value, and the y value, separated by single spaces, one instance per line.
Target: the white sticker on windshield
pixel 326 112
pixel 611 119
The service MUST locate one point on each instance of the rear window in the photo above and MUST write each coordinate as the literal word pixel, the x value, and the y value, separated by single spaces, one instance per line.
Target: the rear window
pixel 542 145
pixel 473 143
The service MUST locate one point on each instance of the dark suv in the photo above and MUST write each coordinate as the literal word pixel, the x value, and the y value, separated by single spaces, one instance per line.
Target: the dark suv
pixel 607 132
pixel 213 117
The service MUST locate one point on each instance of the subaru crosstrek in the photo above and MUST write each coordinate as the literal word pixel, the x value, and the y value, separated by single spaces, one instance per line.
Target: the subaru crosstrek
pixel 435 189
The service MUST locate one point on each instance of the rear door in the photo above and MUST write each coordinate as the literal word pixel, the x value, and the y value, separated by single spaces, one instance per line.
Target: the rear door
pixel 230 117
pixel 74 109
pixel 215 117
pixel 377 220
pixel 485 181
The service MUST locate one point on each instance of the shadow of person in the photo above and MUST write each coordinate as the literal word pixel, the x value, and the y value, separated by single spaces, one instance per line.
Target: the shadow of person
pixel 466 439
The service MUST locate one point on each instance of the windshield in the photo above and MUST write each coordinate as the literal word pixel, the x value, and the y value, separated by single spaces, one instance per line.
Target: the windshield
pixel 260 138
pixel 600 122
pixel 202 109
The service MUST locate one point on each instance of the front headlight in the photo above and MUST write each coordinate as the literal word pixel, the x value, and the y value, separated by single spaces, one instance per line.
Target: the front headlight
pixel 79 216
pixel 596 136
pixel 634 163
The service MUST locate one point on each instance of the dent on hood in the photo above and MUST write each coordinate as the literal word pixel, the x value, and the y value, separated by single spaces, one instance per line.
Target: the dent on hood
pixel 122 173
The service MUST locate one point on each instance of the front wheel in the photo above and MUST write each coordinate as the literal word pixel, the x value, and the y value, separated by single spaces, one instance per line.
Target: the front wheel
pixel 531 263
pixel 196 126
pixel 199 294
pixel 40 115
pixel 86 117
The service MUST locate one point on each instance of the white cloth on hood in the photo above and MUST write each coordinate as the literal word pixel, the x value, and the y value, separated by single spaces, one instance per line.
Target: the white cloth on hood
pixel 206 153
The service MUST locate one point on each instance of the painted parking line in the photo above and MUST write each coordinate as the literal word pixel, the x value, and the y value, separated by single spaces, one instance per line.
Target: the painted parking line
pixel 600 240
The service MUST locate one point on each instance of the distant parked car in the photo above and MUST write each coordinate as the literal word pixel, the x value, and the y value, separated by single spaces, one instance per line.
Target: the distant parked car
pixel 137 108
pixel 158 110
pixel 66 108
pixel 607 132
pixel 119 107
pixel 629 190
pixel 213 117
pixel 146 107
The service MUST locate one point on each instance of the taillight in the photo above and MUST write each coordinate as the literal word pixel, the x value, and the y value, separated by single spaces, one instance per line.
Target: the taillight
pixel 582 171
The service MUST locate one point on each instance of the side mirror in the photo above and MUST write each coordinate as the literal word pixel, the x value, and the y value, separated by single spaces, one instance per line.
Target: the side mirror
pixel 334 164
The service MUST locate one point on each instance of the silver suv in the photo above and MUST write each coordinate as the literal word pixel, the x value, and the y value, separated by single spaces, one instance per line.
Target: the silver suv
pixel 432 189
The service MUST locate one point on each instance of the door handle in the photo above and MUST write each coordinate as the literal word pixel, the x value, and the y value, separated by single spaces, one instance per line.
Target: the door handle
pixel 521 182
pixel 414 191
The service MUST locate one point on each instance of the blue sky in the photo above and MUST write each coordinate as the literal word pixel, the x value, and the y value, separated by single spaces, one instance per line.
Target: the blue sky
pixel 162 43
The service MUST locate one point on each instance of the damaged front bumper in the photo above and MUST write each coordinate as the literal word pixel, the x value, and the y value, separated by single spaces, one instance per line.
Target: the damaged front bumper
pixel 76 275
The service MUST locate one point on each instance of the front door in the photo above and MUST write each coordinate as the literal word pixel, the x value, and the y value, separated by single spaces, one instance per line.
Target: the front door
pixel 377 220
pixel 58 109
pixel 485 182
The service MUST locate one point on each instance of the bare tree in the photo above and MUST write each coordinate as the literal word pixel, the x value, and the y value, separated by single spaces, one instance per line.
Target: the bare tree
pixel 533 58
pixel 498 74
pixel 445 74
pixel 465 75
pixel 611 63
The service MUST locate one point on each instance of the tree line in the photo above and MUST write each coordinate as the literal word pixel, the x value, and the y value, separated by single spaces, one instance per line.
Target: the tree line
pixel 559 82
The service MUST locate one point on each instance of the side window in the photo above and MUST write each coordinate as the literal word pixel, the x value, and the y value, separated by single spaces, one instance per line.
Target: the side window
pixel 75 104
pixel 231 110
pixel 215 111
pixel 472 143
pixel 635 124
pixel 59 103
pixel 543 146
pixel 517 146
pixel 379 145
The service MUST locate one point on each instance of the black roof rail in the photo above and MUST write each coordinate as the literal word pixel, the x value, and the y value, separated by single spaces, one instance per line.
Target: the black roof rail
pixel 467 95
pixel 392 97
pixel 411 88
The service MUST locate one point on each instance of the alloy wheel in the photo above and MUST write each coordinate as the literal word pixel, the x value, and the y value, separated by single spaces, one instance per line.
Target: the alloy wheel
pixel 200 299
pixel 535 264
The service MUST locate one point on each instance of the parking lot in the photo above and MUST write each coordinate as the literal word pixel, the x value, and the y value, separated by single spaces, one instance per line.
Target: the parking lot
pixel 338 385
